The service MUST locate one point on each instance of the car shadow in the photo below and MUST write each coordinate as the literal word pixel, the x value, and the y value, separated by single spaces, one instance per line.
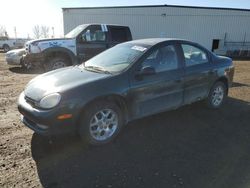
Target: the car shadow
pixel 237 84
pixel 21 70
pixel 189 147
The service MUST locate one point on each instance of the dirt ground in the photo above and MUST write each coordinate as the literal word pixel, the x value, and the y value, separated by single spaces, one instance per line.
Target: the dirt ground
pixel 189 147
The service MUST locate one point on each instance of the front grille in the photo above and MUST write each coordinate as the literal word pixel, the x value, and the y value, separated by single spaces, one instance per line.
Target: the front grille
pixel 30 101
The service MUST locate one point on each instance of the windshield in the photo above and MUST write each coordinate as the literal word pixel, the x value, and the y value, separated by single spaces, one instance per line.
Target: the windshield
pixel 116 59
pixel 76 31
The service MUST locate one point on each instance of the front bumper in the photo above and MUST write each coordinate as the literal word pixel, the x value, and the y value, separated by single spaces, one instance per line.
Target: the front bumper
pixel 44 122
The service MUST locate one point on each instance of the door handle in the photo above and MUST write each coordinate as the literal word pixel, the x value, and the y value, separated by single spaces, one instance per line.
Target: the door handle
pixel 212 72
pixel 178 80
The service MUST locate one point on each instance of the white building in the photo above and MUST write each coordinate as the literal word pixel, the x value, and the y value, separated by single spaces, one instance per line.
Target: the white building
pixel 226 27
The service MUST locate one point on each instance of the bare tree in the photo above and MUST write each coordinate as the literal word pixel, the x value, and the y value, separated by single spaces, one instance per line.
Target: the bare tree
pixel 44 31
pixel 41 31
pixel 36 31
pixel 6 34
pixel 3 31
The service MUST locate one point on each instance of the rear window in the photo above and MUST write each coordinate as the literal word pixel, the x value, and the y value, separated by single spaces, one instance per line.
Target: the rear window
pixel 119 34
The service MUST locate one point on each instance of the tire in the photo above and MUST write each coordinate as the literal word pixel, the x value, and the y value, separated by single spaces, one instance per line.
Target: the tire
pixel 6 48
pixel 217 95
pixel 56 63
pixel 101 123
pixel 22 64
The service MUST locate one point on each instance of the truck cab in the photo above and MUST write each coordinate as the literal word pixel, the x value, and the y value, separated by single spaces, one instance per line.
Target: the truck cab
pixel 79 45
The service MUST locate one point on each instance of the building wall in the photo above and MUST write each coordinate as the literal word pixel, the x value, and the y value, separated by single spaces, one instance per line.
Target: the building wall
pixel 196 24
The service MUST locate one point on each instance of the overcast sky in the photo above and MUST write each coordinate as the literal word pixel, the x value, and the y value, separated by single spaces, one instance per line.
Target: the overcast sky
pixel 24 14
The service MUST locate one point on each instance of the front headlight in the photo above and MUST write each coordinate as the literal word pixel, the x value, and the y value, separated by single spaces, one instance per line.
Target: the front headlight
pixel 9 54
pixel 50 100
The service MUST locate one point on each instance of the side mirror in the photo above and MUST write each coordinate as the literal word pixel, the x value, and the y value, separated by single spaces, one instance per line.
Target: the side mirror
pixel 148 70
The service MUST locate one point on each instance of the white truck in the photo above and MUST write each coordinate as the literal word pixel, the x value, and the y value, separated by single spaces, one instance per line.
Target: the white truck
pixel 8 43
pixel 79 45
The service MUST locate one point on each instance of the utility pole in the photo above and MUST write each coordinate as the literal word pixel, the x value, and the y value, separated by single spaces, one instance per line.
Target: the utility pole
pixel 15 32
pixel 53 32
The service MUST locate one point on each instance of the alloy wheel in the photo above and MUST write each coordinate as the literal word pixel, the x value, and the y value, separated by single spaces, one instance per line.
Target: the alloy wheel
pixel 58 64
pixel 217 95
pixel 103 124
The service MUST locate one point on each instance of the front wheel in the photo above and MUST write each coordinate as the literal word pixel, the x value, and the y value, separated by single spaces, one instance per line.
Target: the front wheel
pixel 56 63
pixel 101 123
pixel 6 48
pixel 217 95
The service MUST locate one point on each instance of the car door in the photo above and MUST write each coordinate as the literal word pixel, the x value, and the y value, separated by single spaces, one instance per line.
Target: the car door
pixel 92 41
pixel 160 90
pixel 198 75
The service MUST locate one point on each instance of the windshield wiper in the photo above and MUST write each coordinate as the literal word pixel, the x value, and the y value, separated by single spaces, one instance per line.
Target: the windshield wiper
pixel 96 69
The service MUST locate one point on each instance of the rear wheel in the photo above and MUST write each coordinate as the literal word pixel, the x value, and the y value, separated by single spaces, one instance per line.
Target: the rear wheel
pixel 56 63
pixel 217 95
pixel 101 123
pixel 6 48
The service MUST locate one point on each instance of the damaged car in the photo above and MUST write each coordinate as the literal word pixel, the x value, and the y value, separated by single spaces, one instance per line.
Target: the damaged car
pixel 129 81
pixel 14 57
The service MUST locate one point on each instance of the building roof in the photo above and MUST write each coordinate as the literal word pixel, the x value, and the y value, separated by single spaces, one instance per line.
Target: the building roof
pixel 150 6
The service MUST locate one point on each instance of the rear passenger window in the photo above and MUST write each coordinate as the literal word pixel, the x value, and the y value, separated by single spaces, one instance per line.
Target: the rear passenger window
pixel 194 55
pixel 118 34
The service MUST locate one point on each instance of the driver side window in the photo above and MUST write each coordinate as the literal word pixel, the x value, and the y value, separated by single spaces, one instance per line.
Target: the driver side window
pixel 93 34
pixel 162 59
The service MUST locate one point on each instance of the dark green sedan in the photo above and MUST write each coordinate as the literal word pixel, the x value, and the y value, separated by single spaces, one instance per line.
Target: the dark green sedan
pixel 129 81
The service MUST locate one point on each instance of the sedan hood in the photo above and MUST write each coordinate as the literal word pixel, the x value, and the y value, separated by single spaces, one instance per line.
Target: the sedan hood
pixel 59 81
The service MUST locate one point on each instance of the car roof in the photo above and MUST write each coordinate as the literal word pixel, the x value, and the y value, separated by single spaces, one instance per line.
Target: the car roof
pixel 88 24
pixel 154 41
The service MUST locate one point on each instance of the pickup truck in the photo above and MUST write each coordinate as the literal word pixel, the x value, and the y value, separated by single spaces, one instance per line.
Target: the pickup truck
pixel 79 45
pixel 7 44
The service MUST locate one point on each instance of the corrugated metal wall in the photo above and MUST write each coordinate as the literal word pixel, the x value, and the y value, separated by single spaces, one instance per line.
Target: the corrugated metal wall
pixel 200 25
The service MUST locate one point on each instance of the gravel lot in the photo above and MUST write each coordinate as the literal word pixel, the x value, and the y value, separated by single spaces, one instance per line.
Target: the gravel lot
pixel 191 147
